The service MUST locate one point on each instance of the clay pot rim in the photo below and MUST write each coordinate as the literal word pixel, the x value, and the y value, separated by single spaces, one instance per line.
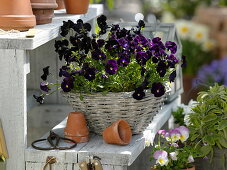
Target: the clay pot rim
pixel 118 126
pixel 44 5
pixel 69 134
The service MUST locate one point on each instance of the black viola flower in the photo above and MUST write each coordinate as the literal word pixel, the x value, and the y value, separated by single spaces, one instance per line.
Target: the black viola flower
pixel 39 99
pixel 101 19
pixel 112 44
pixel 161 68
pixel 67 84
pixel 142 57
pixel 172 76
pixel 170 45
pixel 158 89
pixel 90 74
pixel 184 61
pixel 101 42
pixel 141 24
pixel 94 44
pixel 111 67
pixel 155 59
pixel 139 94
pixel 44 86
pixel 143 71
pixel 45 73
pixel 98 55
pixel 87 27
pixel 114 28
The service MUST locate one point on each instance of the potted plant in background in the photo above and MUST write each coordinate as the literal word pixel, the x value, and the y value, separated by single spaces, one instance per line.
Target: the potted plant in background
pixel 208 127
pixel 173 152
pixel 197 46
pixel 76 6
pixel 113 75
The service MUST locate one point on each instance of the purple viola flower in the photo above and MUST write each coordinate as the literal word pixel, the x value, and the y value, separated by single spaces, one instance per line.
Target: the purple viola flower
pixel 139 94
pixel 89 74
pixel 123 61
pixel 170 45
pixel 98 55
pixel 140 39
pixel 155 59
pixel 142 57
pixel 172 76
pixel 67 84
pixel 112 44
pixel 190 159
pixel 158 89
pixel 64 73
pixel 44 86
pixel 111 67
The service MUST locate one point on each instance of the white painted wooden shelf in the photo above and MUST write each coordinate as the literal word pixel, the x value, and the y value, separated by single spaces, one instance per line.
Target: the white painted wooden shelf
pixel 21 63
pixel 112 156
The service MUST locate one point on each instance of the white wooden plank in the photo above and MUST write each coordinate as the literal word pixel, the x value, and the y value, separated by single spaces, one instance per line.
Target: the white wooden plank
pixel 56 166
pixel 46 32
pixel 13 107
pixel 111 167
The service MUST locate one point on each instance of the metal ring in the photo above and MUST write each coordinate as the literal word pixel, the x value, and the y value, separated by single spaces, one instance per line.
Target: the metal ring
pixel 56 147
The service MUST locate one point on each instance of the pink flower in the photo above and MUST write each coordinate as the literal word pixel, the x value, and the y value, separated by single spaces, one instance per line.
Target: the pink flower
pixel 162 157
pixel 184 133
pixel 162 132
pixel 174 135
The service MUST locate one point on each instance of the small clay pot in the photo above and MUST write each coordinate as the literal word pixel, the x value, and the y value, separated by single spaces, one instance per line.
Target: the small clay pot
pixel 16 14
pixel 61 4
pixel 76 127
pixel 192 168
pixel 118 133
pixel 43 10
pixel 76 6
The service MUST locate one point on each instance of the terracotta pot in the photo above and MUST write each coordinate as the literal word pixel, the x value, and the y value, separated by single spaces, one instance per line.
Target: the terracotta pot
pixel 61 4
pixel 76 127
pixel 76 6
pixel 118 133
pixel 16 14
pixel 192 168
pixel 189 92
pixel 44 10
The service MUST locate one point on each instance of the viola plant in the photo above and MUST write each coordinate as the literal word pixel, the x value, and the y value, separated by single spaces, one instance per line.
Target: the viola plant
pixel 173 151
pixel 113 60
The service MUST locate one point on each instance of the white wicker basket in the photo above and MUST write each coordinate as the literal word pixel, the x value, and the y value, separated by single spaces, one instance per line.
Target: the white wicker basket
pixel 102 110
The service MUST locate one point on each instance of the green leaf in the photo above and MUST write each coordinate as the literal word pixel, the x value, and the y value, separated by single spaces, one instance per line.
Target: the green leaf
pixel 195 136
pixel 223 142
pixel 210 117
pixel 209 140
pixel 110 4
pixel 222 125
pixel 205 150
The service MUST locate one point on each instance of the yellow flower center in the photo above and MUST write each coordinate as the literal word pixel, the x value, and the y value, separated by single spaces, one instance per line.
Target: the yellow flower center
pixel 161 161
pixel 199 35
pixel 184 29
pixel 111 68
pixel 66 86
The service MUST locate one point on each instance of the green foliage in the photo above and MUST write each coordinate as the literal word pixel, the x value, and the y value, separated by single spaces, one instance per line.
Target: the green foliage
pixel 196 56
pixel 208 122
pixel 179 116
pixel 109 3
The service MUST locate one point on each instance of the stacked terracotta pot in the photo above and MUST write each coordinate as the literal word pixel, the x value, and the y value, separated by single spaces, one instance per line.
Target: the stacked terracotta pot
pixel 44 10
pixel 16 14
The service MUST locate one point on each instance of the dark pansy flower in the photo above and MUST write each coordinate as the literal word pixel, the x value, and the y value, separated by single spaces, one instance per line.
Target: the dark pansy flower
pixel 65 42
pixel 145 83
pixel 172 61
pixel 140 39
pixel 101 42
pixel 39 99
pixel 170 45
pixel 184 61
pixel 89 74
pixel 172 76
pixel 87 27
pixel 111 67
pixel 44 86
pixel 141 24
pixel 102 24
pixel 112 44
pixel 94 44
pixel 64 73
pixel 138 94
pixel 114 28
pixel 79 21
pixel 123 61
pixel 101 18
pixel 158 89
pixel 98 55
pixel 143 71
pixel 155 59
pixel 67 84
pixel 45 73
pixel 142 57
pixel 161 68
pixel 104 76
pixel 122 33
